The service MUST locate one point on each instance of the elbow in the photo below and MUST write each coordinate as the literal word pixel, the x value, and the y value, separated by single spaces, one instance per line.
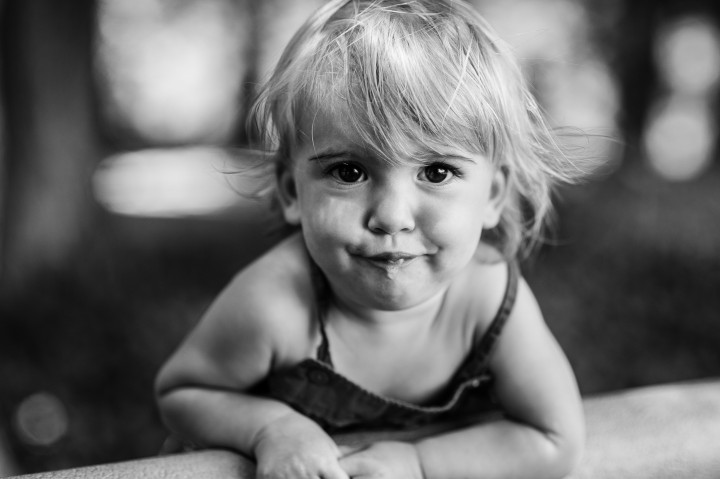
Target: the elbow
pixel 169 406
pixel 564 457
pixel 176 408
pixel 169 379
pixel 563 451
pixel 161 385
pixel 170 398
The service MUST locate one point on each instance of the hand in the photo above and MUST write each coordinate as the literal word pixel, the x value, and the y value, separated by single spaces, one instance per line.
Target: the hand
pixel 383 460
pixel 295 447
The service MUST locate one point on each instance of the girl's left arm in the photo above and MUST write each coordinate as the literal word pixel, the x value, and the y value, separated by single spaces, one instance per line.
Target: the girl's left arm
pixel 543 431
pixel 541 434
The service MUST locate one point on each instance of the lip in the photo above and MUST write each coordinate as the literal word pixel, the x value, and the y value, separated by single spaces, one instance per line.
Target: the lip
pixel 391 263
pixel 392 257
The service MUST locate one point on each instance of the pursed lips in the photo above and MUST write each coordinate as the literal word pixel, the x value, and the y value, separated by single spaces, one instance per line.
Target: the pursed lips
pixel 392 257
pixel 390 262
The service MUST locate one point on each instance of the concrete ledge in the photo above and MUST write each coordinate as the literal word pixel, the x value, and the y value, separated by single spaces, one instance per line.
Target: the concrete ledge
pixel 669 431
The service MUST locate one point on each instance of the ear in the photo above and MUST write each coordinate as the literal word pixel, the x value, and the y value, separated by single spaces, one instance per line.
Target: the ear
pixel 287 194
pixel 498 195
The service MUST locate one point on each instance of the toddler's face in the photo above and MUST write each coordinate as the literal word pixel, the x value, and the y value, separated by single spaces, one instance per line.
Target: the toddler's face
pixel 387 236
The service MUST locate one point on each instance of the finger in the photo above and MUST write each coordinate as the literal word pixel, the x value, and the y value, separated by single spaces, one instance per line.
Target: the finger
pixel 355 465
pixel 346 450
pixel 334 472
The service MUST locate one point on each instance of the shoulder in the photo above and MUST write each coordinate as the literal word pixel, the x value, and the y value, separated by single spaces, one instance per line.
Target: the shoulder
pixel 263 317
pixel 484 288
pixel 280 275
pixel 274 295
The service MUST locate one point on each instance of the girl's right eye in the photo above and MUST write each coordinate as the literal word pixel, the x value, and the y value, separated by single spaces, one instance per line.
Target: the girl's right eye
pixel 347 173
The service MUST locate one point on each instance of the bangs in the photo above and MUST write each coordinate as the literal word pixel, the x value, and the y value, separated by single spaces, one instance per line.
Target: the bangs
pixel 397 77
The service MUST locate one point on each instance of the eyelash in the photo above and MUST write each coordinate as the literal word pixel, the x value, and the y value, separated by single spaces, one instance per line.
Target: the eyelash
pixel 451 170
pixel 334 171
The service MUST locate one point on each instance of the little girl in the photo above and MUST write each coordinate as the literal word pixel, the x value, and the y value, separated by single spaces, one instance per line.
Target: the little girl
pixel 415 167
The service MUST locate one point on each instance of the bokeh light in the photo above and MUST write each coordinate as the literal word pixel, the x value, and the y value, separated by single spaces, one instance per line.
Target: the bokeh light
pixel 539 30
pixel 171 71
pixel 41 419
pixel 573 82
pixel 680 138
pixel 166 182
pixel 277 30
pixel 688 54
pixel 681 133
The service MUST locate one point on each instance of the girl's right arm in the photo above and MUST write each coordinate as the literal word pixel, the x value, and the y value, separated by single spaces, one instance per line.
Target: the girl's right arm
pixel 202 389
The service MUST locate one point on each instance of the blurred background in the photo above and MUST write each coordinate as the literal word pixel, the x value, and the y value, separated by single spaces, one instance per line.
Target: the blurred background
pixel 120 222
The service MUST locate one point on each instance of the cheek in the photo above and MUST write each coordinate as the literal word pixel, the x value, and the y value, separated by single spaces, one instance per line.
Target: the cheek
pixel 328 226
pixel 457 237
pixel 329 217
pixel 456 222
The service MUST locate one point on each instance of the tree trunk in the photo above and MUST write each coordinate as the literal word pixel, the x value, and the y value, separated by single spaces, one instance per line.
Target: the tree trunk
pixel 3 182
pixel 50 134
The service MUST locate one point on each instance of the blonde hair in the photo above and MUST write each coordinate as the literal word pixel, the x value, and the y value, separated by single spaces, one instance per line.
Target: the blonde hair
pixel 420 73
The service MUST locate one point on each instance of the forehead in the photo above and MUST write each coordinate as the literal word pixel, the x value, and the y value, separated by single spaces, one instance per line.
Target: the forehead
pixel 328 128
pixel 322 132
pixel 316 126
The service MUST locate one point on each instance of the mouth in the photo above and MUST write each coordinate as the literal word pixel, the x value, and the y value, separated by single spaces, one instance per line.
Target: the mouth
pixel 391 262
pixel 392 258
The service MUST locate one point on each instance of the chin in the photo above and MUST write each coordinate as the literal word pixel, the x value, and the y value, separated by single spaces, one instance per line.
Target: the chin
pixel 394 299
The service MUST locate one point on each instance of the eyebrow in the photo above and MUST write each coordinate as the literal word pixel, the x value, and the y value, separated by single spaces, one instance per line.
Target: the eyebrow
pixel 431 157
pixel 426 158
pixel 328 154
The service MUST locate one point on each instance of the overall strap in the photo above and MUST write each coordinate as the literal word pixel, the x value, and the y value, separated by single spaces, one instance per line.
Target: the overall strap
pixel 323 350
pixel 480 355
pixel 322 296
pixel 487 343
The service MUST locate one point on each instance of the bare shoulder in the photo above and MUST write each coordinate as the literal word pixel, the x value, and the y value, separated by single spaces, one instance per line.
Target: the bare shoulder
pixel 493 282
pixel 274 294
pixel 262 318
pixel 486 285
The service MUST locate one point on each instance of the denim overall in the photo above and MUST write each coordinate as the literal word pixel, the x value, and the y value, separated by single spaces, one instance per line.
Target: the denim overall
pixel 315 389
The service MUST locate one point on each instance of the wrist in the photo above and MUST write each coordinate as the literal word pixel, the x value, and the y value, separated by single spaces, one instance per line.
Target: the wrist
pixel 289 426
pixel 269 430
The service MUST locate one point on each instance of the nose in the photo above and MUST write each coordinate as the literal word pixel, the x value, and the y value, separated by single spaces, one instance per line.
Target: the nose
pixel 391 211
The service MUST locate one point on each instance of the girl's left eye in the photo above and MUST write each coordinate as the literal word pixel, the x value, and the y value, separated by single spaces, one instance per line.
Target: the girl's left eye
pixel 438 173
